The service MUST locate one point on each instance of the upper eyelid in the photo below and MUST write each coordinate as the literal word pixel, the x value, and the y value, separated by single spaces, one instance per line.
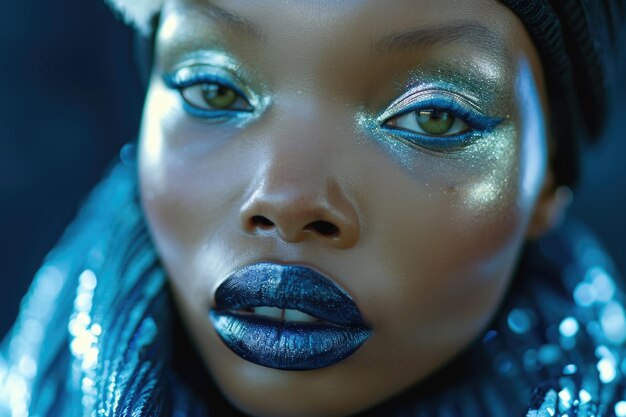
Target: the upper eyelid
pixel 457 104
pixel 416 98
pixel 186 77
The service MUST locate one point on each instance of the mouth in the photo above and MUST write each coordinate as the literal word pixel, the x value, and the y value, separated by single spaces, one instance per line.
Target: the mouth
pixel 287 317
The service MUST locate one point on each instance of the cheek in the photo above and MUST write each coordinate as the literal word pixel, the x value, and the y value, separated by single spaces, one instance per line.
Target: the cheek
pixel 189 181
pixel 450 246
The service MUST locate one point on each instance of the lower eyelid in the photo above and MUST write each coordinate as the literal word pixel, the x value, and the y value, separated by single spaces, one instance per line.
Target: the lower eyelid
pixel 207 114
pixel 406 132
pixel 436 143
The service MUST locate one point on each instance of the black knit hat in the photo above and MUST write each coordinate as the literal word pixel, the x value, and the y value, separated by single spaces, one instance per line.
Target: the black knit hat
pixel 577 41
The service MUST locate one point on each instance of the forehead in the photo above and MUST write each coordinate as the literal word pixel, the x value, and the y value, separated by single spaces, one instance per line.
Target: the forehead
pixel 377 24
pixel 349 45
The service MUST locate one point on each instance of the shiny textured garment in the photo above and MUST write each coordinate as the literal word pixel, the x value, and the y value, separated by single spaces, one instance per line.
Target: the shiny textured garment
pixel 98 335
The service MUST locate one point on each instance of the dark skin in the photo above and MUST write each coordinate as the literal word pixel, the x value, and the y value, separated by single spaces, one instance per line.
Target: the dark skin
pixel 309 168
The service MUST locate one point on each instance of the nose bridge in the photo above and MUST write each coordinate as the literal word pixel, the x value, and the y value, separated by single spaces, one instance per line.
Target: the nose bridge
pixel 297 194
pixel 296 160
pixel 307 123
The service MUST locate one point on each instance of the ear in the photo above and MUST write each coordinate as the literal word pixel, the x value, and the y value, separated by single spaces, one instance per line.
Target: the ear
pixel 550 208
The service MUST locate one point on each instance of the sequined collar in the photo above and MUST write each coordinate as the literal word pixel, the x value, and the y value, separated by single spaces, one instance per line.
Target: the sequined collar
pixel 97 333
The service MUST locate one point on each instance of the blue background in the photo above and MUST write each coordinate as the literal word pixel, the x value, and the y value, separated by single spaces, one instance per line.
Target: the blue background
pixel 70 97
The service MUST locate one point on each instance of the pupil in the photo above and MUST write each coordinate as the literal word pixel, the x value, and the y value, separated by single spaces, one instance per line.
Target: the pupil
pixel 211 91
pixel 435 122
pixel 218 96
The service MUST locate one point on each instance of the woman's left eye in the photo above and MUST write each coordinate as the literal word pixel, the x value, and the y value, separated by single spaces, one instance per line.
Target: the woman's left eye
pixel 210 96
pixel 437 120
pixel 430 122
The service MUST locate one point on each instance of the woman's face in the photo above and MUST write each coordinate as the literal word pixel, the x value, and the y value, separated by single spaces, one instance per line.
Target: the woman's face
pixel 395 147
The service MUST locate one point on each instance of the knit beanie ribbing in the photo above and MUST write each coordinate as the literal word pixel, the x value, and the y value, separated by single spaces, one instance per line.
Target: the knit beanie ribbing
pixel 578 43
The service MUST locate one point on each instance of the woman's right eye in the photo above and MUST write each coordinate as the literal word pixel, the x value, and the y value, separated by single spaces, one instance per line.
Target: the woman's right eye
pixel 209 93
pixel 213 96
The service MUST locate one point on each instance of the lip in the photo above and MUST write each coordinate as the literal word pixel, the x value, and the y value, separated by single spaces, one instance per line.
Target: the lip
pixel 287 345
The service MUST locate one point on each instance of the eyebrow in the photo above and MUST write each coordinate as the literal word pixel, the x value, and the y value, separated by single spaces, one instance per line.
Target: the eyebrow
pixel 236 23
pixel 429 37
pixel 461 31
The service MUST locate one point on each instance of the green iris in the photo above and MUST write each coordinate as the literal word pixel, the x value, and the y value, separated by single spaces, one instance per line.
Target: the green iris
pixel 435 122
pixel 219 96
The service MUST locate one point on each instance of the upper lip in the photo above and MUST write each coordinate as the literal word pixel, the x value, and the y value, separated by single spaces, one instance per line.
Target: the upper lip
pixel 289 287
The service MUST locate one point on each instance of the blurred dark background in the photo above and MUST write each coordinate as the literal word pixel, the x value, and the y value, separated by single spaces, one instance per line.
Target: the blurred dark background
pixel 70 97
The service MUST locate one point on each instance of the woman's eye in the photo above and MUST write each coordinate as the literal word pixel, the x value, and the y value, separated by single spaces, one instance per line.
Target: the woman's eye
pixel 430 122
pixel 437 120
pixel 210 93
pixel 209 96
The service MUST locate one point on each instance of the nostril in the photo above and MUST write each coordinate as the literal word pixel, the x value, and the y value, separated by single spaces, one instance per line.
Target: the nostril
pixel 261 222
pixel 324 228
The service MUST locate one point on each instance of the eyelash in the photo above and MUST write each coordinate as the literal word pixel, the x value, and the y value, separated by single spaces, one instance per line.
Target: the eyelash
pixel 189 77
pixel 478 123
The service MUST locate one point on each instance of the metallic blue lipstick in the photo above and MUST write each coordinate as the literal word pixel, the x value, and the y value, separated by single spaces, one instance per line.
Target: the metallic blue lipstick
pixel 287 317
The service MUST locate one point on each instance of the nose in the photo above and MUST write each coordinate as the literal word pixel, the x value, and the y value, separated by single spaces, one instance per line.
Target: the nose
pixel 301 207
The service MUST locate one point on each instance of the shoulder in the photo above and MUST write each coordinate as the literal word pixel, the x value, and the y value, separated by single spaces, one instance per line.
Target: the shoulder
pixel 47 358
pixel 562 330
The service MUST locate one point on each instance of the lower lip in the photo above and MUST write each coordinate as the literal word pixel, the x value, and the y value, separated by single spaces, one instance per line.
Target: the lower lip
pixel 285 345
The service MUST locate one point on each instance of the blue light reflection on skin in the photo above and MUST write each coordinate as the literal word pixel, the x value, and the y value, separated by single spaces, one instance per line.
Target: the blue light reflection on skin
pixel 534 153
